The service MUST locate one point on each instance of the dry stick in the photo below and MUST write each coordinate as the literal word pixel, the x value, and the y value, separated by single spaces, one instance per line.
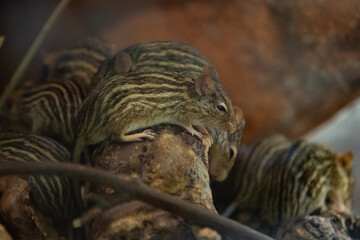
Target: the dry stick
pixel 141 191
pixel 2 39
pixel 19 72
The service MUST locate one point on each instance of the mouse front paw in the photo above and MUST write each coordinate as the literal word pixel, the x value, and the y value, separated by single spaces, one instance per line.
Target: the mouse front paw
pixel 194 132
pixel 137 137
pixel 149 134
pixel 207 140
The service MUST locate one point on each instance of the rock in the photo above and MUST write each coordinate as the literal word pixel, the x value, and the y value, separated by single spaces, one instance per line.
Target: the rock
pixel 328 225
pixel 4 235
pixel 175 163
pixel 16 209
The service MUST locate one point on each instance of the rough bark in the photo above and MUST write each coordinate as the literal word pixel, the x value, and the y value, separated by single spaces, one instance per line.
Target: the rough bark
pixel 176 163
pixel 16 210
pixel 20 216
pixel 327 225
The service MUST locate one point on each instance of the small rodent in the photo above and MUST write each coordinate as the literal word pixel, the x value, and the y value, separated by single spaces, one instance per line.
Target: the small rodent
pixel 155 56
pixel 168 56
pixel 51 195
pixel 172 56
pixel 78 61
pixel 283 181
pixel 225 149
pixel 49 108
pixel 139 100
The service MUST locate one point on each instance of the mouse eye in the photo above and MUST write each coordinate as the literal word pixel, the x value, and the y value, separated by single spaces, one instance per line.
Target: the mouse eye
pixel 231 152
pixel 327 200
pixel 221 108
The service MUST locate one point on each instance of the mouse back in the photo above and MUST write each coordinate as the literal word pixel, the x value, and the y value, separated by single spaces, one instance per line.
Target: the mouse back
pixel 169 56
pixel 138 100
pixel 80 60
pixel 52 195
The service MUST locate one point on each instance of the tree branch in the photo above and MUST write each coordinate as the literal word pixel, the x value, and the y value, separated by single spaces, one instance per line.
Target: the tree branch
pixel 19 72
pixel 2 39
pixel 134 186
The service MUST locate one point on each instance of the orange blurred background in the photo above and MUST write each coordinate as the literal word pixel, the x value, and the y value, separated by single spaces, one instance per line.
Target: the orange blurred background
pixel 288 64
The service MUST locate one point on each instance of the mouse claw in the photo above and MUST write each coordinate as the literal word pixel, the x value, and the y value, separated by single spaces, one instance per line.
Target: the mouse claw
pixel 149 134
pixel 206 137
pixel 193 132
pixel 208 141
pixel 198 135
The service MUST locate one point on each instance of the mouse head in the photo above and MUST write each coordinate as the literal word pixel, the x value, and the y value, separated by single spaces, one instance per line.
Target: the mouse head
pixel 215 109
pixel 341 190
pixel 225 149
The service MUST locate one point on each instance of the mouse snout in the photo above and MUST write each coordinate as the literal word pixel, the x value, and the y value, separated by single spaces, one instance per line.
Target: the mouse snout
pixel 219 175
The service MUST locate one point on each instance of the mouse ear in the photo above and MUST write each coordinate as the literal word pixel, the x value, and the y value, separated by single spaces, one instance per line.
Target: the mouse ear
pixel 204 84
pixel 122 63
pixel 345 160
pixel 239 115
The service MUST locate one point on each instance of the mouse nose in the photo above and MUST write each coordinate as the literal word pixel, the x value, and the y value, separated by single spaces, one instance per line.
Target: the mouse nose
pixel 220 176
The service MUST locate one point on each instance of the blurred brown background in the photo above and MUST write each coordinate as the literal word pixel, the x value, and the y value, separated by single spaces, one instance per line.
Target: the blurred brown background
pixel 288 64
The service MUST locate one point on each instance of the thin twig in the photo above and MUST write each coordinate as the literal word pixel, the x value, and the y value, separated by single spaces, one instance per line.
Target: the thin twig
pixel 191 212
pixel 2 39
pixel 19 72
